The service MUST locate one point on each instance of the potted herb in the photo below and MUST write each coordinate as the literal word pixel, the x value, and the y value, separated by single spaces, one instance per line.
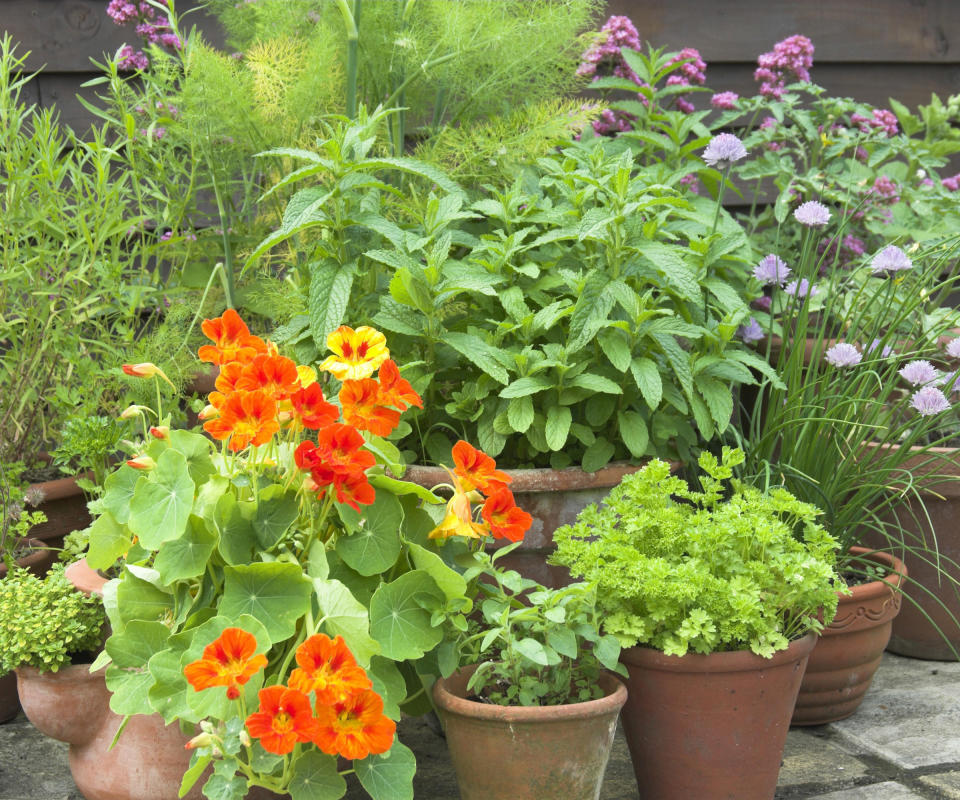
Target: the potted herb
pixel 45 627
pixel 716 596
pixel 532 694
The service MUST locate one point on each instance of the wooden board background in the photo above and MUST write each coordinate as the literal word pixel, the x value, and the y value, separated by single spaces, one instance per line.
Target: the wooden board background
pixel 867 49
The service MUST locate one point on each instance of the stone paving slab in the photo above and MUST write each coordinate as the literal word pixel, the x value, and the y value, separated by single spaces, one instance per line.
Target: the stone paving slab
pixel 947 785
pixel 811 757
pixel 888 790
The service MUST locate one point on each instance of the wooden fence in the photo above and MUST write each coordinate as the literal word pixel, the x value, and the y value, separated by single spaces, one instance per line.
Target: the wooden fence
pixel 867 49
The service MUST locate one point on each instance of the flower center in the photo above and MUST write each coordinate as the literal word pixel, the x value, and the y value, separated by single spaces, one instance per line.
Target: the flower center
pixel 282 722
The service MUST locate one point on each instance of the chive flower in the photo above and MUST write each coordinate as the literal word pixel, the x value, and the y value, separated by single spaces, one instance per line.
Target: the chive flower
pixel 929 401
pixel 813 214
pixel 890 259
pixel 919 373
pixel 723 150
pixel 771 270
pixel 843 355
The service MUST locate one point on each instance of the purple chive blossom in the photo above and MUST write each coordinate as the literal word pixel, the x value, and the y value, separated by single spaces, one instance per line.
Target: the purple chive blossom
pixel 890 259
pixel 801 288
pixel 953 348
pixel 771 270
pixel 813 214
pixel 751 332
pixel 843 355
pixel 885 351
pixel 919 373
pixel 725 101
pixel 723 150
pixel 929 401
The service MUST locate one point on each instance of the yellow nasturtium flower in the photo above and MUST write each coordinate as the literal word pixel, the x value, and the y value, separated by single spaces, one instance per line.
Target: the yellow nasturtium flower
pixel 357 353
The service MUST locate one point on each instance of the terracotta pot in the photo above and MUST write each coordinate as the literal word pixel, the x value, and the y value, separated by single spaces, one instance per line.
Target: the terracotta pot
pixel 850 649
pixel 66 508
pixel 39 560
pixel 85 579
pixel 710 726
pixel 553 497
pixel 72 706
pixel 9 700
pixel 539 752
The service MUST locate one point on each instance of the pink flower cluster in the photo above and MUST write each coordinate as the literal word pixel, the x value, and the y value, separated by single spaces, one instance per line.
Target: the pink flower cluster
pixel 851 247
pixel 790 58
pixel 951 184
pixel 770 123
pixel 150 26
pixel 693 71
pixel 886 190
pixel 882 119
pixel 604 57
pixel 726 101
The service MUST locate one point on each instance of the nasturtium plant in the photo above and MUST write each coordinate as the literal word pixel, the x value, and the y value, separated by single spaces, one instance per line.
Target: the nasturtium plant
pixel 283 589
pixel 726 568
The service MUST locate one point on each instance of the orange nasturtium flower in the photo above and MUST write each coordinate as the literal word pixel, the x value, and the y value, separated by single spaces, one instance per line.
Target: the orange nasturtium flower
pixel 458 520
pixel 507 521
pixel 354 728
pixel 394 390
pixel 357 353
pixel 232 340
pixel 276 375
pixel 228 660
pixel 145 369
pixel 364 407
pixel 311 410
pixel 477 470
pixel 284 718
pixel 245 418
pixel 354 489
pixel 328 668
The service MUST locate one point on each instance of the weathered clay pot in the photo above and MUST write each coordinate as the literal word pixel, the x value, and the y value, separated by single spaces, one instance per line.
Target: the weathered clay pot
pixel 9 700
pixel 38 560
pixel 528 752
pixel 72 705
pixel 849 650
pixel 712 725
pixel 66 508
pixel 553 497
pixel 85 579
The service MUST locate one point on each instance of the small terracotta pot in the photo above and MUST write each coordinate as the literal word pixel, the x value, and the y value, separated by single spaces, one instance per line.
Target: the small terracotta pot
pixel 9 700
pixel 553 497
pixel 66 508
pixel 850 649
pixel 85 579
pixel 528 752
pixel 710 726
pixel 38 560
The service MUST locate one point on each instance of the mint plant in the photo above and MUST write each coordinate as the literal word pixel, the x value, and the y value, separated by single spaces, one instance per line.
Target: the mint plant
pixel 726 568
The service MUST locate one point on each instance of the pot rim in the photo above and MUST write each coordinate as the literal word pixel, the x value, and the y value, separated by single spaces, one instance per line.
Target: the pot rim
pixel 891 582
pixel 70 673
pixel 722 661
pixel 84 578
pixel 610 703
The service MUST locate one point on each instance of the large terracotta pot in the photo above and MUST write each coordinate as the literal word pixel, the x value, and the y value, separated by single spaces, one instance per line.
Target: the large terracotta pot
pixel 928 625
pixel 553 497
pixel 9 701
pixel 710 726
pixel 850 649
pixel 66 508
pixel 528 752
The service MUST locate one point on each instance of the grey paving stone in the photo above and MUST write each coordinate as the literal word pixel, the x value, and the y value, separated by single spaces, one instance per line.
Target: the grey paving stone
pixel 888 790
pixel 947 784
pixel 910 716
pixel 809 758
pixel 32 766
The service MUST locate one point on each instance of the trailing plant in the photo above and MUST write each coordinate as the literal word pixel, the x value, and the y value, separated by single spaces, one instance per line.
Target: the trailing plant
pixel 45 622
pixel 534 646
pixel 726 568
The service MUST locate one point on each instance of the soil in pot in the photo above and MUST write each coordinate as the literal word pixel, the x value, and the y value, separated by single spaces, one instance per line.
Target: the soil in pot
pixel 849 651
pixel 710 726
pixel 528 752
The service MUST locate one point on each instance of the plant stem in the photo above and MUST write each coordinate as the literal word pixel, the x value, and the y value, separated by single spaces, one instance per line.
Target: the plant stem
pixel 350 19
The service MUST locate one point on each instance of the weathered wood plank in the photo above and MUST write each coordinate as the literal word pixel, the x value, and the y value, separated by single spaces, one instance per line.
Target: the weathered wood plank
pixel 63 35
pixel 845 31
pixel 61 90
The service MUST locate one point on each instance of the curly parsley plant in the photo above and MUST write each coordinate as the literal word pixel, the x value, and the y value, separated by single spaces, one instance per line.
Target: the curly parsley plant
pixel 728 568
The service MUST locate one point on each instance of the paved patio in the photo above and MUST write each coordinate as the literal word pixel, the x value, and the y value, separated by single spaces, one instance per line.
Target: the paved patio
pixel 903 743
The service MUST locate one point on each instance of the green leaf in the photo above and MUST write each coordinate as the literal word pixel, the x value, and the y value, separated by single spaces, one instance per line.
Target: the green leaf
pixel 315 777
pixel 274 512
pixel 343 615
pixel 398 487
pixel 162 501
pixel 195 448
pixel 558 426
pixel 118 492
pixel 607 651
pixel 238 539
pixel 398 619
pixel 277 594
pixel 414 167
pixel 198 765
pixel 520 413
pixel 398 318
pixel 633 431
pixel 225 784
pixel 719 399
pixel 388 776
pixel 647 377
pixel 450 581
pixel 478 352
pixel 595 383
pixel 330 287
pixel 317 565
pixel 187 556
pixel 128 677
pixel 670 265
pixel 533 650
pixel 389 683
pixel 372 544
pixel 597 455
pixel 108 541
pixel 138 599
pixel 564 641
pixel 616 346
pixel 590 312
pixel 528 385
pixel 168 695
pixel 680 361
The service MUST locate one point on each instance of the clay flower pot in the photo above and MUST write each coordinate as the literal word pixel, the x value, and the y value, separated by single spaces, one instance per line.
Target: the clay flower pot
pixel 842 666
pixel 711 725
pixel 73 706
pixel 553 497
pixel 66 508
pixel 38 560
pixel 528 752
